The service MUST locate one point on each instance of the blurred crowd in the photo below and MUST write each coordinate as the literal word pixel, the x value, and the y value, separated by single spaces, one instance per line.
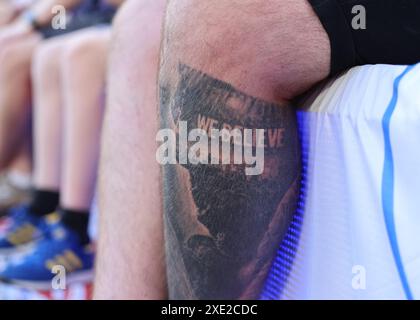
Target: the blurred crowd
pixel 53 58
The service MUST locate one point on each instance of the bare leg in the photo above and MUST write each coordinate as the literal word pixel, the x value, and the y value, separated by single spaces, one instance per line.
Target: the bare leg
pixel 83 77
pixel 6 12
pixel 23 159
pixel 69 75
pixel 237 67
pixel 16 182
pixel 15 60
pixel 130 262
pixel 48 111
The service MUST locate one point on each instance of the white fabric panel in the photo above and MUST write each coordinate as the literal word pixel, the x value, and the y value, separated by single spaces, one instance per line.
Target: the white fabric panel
pixel 344 223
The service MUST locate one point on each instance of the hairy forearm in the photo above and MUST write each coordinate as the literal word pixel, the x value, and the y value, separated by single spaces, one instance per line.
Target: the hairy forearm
pixel 222 226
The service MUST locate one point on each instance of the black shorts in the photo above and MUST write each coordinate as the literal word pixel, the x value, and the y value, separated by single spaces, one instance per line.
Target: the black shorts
pixel 392 34
pixel 80 21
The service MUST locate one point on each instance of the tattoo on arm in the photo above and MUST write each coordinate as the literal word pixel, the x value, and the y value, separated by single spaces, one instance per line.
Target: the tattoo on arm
pixel 222 227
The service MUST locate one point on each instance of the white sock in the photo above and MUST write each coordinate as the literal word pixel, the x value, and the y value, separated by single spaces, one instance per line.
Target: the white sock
pixel 19 180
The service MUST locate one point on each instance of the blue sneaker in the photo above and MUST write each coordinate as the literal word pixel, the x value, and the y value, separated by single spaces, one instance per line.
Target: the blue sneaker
pixel 59 252
pixel 18 229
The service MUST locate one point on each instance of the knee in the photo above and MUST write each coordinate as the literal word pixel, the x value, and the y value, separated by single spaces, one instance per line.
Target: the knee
pixel 84 55
pixel 142 18
pixel 223 31
pixel 138 12
pixel 138 59
pixel 278 43
pixel 133 65
pixel 9 58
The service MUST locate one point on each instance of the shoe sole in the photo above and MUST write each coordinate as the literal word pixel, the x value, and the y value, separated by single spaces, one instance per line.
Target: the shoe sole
pixel 79 277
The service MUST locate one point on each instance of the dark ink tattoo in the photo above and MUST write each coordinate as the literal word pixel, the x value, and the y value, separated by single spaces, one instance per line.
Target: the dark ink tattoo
pixel 223 227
